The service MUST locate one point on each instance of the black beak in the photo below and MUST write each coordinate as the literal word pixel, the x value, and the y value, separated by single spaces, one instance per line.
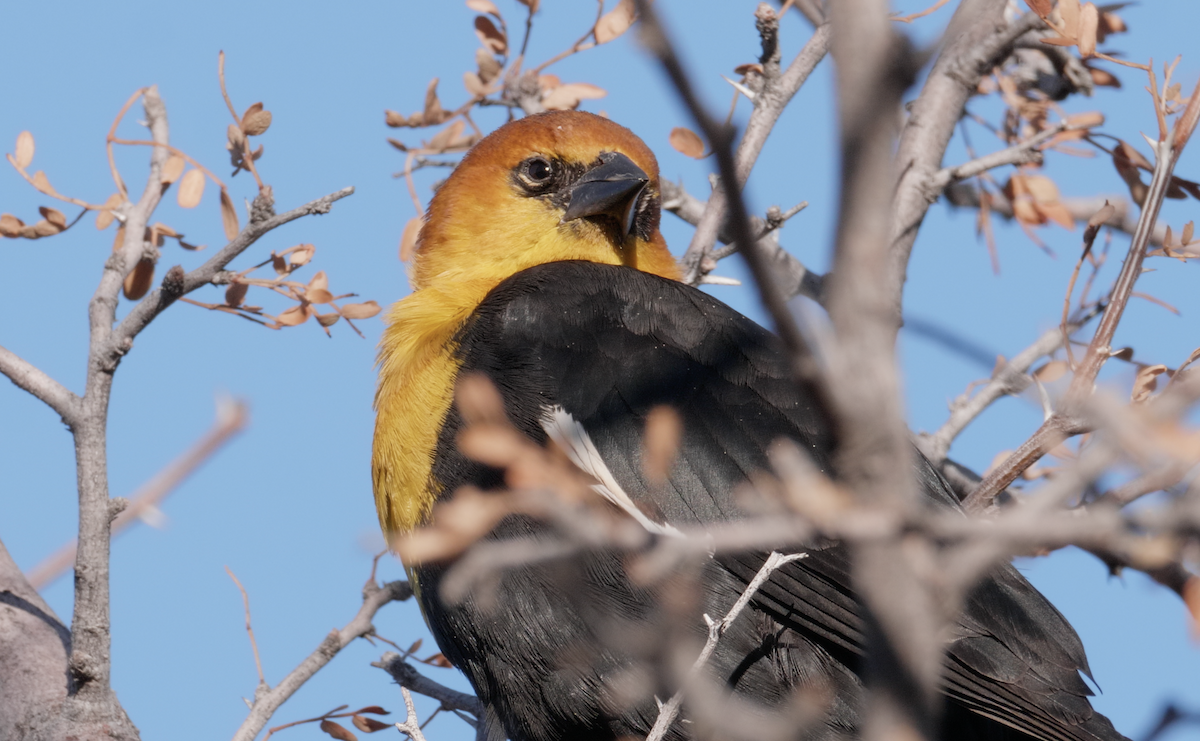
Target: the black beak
pixel 611 188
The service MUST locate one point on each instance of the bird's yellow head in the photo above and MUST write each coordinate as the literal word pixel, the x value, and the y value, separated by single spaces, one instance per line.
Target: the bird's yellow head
pixel 556 186
pixel 564 185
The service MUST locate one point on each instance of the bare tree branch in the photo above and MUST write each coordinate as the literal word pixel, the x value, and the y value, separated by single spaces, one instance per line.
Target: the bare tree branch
pixel 874 456
pixel 90 661
pixel 34 645
pixel 791 275
pixel 978 39
pixel 407 676
pixel 777 91
pixel 160 298
pixel 669 710
pixel 268 700
pixel 30 378
pixel 1010 379
pixel 720 138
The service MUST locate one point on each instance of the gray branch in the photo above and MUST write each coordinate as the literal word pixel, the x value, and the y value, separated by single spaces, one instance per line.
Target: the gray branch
pixel 160 298
pixel 30 378
pixel 267 700
pixel 777 91
pixel 978 39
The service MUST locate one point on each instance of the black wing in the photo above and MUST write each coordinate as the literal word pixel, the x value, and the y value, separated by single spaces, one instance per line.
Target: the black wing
pixel 607 344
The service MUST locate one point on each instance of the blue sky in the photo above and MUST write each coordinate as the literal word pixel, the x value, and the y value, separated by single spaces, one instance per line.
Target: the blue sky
pixel 288 505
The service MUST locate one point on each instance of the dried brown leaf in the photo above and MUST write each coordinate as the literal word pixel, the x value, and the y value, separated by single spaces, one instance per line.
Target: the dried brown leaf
pixel 229 217
pixel 474 85
pixel 278 264
pixel 1189 230
pixel 687 142
pixel 1104 78
pixel 24 150
pixel 531 4
pixel 319 282
pixel 491 36
pixel 302 255
pixel 328 320
pixel 1102 216
pixel 337 731
pixel 1070 11
pixel 294 316
pixel 489 68
pixel 172 169
pixel 1191 597
pixel 318 295
pixel 615 22
pixel 42 183
pixel 1041 7
pixel 1051 372
pixel 432 113
pixel 191 189
pixel 1146 382
pixel 1056 212
pixel 1088 120
pixel 441 140
pixel 256 121
pixel 42 228
pixel 1041 188
pixel 235 294
pixel 408 241
pixel 397 144
pixel 10 226
pixel 483 6
pixel 365 310
pixel 139 280
pixel 567 97
pixel 369 725
pixel 756 68
pixel 236 137
pixel 54 216
pixel 1089 22
pixel 438 660
pixel 395 120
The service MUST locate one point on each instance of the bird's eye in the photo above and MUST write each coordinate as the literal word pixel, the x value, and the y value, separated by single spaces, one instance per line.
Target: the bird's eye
pixel 537 171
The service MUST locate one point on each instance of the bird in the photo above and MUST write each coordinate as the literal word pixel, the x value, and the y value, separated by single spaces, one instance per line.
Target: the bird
pixel 541 267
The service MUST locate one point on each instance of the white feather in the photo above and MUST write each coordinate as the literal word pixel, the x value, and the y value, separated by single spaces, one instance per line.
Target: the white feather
pixel 569 435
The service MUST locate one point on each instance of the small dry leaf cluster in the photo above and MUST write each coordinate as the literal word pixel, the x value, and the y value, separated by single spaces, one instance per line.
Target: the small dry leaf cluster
pixel 190 177
pixel 308 296
pixel 499 77
pixel 327 723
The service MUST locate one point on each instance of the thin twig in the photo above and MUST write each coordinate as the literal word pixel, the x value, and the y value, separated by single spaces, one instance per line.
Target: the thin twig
pixel 720 139
pixel 1010 379
pixel 232 417
pixel 407 676
pixel 262 680
pixel 777 91
pixel 669 711
pixel 412 723
pixel 267 701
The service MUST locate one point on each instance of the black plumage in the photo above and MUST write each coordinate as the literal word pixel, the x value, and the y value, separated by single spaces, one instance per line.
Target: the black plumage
pixel 607 344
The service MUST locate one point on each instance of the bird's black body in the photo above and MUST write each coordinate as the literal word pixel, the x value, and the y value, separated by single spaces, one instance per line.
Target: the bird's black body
pixel 607 344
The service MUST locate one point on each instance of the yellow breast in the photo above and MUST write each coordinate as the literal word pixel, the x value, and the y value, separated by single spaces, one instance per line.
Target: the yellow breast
pixel 417 372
